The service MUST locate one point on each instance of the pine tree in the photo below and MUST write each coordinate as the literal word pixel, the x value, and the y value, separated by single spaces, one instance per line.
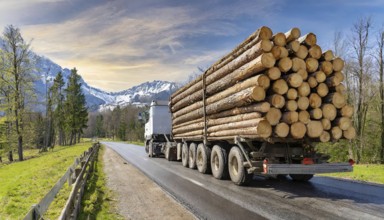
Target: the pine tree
pixel 58 98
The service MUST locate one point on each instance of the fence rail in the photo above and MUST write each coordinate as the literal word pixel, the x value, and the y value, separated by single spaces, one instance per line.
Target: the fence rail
pixel 74 176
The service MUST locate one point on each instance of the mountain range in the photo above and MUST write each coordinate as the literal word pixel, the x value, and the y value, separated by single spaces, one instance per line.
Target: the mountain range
pixel 97 99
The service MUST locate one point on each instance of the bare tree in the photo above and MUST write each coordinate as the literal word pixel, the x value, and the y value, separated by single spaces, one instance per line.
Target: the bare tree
pixel 380 62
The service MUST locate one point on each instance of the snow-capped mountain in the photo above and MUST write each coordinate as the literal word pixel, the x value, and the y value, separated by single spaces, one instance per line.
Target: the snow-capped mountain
pixel 98 99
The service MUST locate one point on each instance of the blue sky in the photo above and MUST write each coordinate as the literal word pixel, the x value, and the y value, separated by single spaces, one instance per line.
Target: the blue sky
pixel 116 44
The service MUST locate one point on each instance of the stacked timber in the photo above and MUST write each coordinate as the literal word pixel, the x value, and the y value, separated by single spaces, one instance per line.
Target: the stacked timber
pixel 272 87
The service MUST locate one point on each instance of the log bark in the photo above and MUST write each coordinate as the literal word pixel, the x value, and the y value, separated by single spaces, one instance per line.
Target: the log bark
pixel 273 116
pixel 350 133
pixel 262 107
pixel 326 124
pixel 294 80
pixel 304 117
pixel 298 64
pixel 326 67
pixel 291 94
pixel 311 64
pixel 281 130
pixel 292 34
pixel 314 100
pixel 336 133
pixel 316 113
pixel 308 39
pixel 329 111
pixel 290 117
pixel 338 64
pixel 279 39
pixel 327 56
pixel 233 118
pixel 291 105
pixel 235 125
pixel 263 130
pixel 276 101
pixel 298 130
pixel 302 53
pixel 285 64
pixel 346 111
pixel 280 87
pixel 337 99
pixel 322 90
pixel 303 103
pixel 315 52
pixel 273 73
pixel 314 129
pixel 304 89
pixel 188 123
pixel 343 122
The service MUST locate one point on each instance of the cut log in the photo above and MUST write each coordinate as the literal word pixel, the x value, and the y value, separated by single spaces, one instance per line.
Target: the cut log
pixel 192 133
pixel 346 111
pixel 326 67
pixel 343 122
pixel 281 130
pixel 293 47
pixel 314 100
pixel 280 86
pixel 188 128
pixel 291 105
pixel 290 117
pixel 338 64
pixel 316 113
pixel 319 76
pixel 236 125
pixel 291 94
pixel 285 64
pixel 312 82
pixel 302 53
pixel 273 73
pixel 303 103
pixel 335 79
pixel 233 118
pixel 350 133
pixel 326 124
pixel 273 116
pixel 322 89
pixel 298 64
pixel 298 130
pixel 292 34
pixel 304 117
pixel 263 130
pixel 315 52
pixel 337 99
pixel 312 65
pixel 325 137
pixel 336 133
pixel 327 56
pixel 279 52
pixel 279 39
pixel 303 73
pixel 329 111
pixel 262 107
pixel 340 88
pixel 188 123
pixel 294 80
pixel 314 129
pixel 308 39
pixel 276 100
pixel 304 89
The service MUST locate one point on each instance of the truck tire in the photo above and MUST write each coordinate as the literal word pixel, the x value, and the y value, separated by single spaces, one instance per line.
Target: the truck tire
pixel 301 177
pixel 192 156
pixel 150 149
pixel 146 147
pixel 236 168
pixel 219 162
pixel 203 156
pixel 184 155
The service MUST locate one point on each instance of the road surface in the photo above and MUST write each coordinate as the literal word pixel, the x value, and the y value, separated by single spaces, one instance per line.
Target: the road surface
pixel 208 198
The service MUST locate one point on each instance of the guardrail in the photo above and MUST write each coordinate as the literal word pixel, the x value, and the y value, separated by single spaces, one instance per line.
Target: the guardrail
pixel 76 176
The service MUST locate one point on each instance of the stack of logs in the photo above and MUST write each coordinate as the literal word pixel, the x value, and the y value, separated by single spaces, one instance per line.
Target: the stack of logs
pixel 277 87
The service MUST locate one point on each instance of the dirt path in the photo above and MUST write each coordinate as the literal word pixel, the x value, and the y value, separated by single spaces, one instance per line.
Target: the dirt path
pixel 139 197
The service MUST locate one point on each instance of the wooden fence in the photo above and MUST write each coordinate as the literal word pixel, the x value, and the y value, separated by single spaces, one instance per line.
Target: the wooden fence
pixel 76 176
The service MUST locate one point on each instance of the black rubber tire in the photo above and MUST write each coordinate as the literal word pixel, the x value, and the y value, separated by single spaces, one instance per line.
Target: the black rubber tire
pixel 146 147
pixel 184 155
pixel 203 156
pixel 150 149
pixel 192 156
pixel 236 168
pixel 167 153
pixel 301 177
pixel 219 163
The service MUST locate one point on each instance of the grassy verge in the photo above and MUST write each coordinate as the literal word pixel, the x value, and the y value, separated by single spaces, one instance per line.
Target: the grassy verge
pixel 363 172
pixel 26 183
pixel 97 202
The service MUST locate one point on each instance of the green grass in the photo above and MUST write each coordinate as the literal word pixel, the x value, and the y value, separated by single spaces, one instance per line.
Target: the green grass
pixel 97 201
pixel 363 172
pixel 25 183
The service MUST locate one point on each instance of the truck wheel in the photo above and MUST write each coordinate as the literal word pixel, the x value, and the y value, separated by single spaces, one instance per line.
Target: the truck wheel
pixel 219 162
pixel 150 149
pixel 301 177
pixel 203 156
pixel 184 155
pixel 236 168
pixel 192 156
pixel 146 147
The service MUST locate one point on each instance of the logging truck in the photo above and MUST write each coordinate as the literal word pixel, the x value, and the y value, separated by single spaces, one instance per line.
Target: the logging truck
pixel 238 158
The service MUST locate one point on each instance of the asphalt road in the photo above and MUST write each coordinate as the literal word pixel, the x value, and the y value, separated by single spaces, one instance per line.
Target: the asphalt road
pixel 208 198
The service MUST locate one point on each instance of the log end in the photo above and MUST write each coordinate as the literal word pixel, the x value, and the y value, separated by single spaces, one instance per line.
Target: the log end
pixel 273 116
pixel 273 73
pixel 311 64
pixel 314 129
pixel 325 137
pixel 285 64
pixel 338 64
pixel 279 39
pixel 264 129
pixel 336 133
pixel 350 133
pixel 265 33
pixel 298 130
pixel 281 130
pixel 268 60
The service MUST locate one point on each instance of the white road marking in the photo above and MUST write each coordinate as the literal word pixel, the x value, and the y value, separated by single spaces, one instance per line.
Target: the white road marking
pixel 194 181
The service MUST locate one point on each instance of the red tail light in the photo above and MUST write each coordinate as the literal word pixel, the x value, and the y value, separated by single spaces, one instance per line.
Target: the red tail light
pixel 307 161
pixel 265 163
pixel 351 162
